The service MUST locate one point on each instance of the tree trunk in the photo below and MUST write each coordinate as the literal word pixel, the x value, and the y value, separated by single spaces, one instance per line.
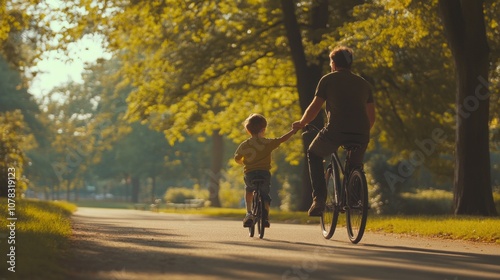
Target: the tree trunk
pixel 135 189
pixel 466 33
pixel 4 186
pixel 68 190
pixel 216 168
pixel 153 188
pixel 307 75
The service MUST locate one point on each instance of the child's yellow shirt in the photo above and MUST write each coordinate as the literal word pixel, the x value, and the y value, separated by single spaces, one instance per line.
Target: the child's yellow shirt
pixel 256 153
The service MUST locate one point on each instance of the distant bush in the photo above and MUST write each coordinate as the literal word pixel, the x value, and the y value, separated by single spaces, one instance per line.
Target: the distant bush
pixel 496 198
pixel 179 194
pixel 426 202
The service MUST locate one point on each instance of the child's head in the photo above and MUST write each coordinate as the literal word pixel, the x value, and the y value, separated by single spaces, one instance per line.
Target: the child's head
pixel 255 123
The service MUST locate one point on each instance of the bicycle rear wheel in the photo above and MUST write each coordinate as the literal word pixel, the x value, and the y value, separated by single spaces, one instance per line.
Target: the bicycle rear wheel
pixel 357 205
pixel 330 215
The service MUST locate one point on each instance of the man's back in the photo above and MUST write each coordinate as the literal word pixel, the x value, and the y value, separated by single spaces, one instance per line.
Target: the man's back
pixel 346 95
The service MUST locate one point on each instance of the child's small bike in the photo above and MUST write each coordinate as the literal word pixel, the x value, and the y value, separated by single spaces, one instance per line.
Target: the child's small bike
pixel 257 208
pixel 347 192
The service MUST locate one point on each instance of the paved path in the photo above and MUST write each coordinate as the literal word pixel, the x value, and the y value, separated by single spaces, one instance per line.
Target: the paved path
pixel 132 244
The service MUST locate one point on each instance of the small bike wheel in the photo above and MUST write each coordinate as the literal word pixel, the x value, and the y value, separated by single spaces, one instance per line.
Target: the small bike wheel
pixel 260 221
pixel 357 205
pixel 255 214
pixel 329 218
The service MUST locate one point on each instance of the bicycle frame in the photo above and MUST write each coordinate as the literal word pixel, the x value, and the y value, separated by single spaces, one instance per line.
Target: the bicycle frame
pixel 344 169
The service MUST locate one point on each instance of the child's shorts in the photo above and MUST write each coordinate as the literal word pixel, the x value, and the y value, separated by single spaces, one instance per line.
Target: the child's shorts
pixel 265 188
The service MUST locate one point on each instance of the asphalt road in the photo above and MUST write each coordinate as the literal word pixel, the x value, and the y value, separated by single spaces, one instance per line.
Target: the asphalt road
pixel 132 244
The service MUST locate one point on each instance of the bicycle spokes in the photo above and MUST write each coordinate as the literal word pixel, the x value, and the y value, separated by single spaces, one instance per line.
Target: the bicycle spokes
pixel 357 206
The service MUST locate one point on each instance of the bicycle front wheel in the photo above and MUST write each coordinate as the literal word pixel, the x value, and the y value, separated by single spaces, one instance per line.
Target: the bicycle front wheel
pixel 260 222
pixel 255 213
pixel 330 215
pixel 357 205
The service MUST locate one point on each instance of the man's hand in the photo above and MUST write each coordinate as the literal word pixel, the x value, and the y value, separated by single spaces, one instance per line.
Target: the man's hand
pixel 297 125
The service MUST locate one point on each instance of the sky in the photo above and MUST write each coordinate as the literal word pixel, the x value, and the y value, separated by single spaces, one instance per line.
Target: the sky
pixel 56 68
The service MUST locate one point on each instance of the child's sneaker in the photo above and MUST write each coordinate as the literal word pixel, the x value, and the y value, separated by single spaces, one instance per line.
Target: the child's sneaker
pixel 248 220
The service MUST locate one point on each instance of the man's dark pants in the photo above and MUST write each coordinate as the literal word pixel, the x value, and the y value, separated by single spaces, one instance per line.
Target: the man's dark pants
pixel 323 146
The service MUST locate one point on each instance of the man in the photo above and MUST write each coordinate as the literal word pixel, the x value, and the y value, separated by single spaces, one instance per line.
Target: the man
pixel 351 114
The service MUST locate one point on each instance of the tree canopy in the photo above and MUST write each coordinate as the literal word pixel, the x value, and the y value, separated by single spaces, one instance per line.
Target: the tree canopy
pixel 197 69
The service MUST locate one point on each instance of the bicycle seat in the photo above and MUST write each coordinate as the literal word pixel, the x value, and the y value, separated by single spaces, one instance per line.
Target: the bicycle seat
pixel 351 146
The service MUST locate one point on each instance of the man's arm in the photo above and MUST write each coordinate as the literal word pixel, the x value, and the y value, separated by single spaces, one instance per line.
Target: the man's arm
pixel 311 112
pixel 370 110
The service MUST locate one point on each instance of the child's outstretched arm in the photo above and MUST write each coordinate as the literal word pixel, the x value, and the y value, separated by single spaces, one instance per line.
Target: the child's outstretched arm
pixel 287 136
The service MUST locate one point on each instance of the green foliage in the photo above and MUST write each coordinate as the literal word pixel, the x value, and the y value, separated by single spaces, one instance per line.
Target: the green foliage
pixel 189 68
pixel 15 140
pixel 232 187
pixel 421 201
pixel 407 60
pixel 426 202
pixel 180 194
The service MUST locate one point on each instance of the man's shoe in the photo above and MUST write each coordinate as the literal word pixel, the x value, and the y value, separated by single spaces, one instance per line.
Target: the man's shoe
pixel 248 220
pixel 317 208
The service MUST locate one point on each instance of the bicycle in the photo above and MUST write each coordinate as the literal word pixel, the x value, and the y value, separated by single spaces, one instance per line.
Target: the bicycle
pixel 347 192
pixel 257 208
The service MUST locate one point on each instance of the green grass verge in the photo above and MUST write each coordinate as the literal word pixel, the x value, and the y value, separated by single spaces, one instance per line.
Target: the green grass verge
pixel 471 228
pixel 105 204
pixel 41 234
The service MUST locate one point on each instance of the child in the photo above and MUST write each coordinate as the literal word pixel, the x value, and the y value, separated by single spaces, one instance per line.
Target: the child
pixel 255 155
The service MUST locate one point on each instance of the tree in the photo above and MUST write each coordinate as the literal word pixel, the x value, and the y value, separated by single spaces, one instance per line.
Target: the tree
pixel 464 23
pixel 399 46
pixel 18 126
pixel 134 157
pixel 199 68
pixel 21 35
pixel 14 141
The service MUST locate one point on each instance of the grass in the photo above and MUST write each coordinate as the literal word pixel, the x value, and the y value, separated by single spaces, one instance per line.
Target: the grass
pixel 480 229
pixel 105 204
pixel 42 232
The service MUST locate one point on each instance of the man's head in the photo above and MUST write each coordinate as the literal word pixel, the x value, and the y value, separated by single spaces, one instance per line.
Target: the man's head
pixel 341 57
pixel 255 123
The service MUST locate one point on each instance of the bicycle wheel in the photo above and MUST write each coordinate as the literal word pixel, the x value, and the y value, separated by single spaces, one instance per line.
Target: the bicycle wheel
pixel 260 221
pixel 330 215
pixel 357 205
pixel 251 229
